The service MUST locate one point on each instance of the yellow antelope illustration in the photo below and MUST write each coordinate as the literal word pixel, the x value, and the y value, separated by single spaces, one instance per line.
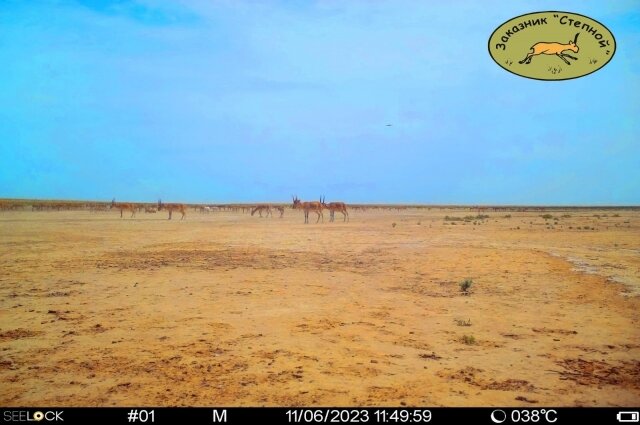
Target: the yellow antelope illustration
pixel 553 49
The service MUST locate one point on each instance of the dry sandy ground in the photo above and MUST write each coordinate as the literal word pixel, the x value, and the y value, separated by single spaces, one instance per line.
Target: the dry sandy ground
pixel 228 309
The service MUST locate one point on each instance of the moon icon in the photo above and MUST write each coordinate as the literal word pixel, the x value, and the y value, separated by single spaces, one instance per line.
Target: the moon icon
pixel 498 416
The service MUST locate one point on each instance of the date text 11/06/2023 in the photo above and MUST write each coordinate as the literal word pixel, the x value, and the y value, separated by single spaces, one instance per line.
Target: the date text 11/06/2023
pixel 358 415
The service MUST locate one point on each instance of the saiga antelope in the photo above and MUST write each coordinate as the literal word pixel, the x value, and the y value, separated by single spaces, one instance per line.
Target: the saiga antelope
pixel 553 49
pixel 260 208
pixel 122 207
pixel 341 207
pixel 171 208
pixel 308 206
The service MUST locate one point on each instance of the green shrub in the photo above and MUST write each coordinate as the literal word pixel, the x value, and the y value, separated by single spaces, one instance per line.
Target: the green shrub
pixel 468 339
pixel 465 286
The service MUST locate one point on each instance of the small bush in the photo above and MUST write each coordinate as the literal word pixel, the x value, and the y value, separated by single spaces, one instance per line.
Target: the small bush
pixel 546 216
pixel 447 218
pixel 465 286
pixel 462 322
pixel 507 216
pixel 468 339
pixel 393 224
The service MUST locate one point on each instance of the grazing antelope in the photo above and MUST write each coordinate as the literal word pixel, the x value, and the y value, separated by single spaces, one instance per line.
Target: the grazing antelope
pixel 260 208
pixel 341 207
pixel 122 207
pixel 171 208
pixel 553 49
pixel 308 206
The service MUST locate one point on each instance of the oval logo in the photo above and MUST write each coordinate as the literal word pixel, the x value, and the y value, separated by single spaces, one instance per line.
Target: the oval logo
pixel 552 45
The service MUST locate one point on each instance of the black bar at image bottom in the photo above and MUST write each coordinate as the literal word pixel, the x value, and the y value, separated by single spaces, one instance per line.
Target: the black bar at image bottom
pixel 324 415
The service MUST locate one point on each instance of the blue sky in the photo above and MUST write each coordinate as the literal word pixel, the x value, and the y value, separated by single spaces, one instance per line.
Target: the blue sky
pixel 221 101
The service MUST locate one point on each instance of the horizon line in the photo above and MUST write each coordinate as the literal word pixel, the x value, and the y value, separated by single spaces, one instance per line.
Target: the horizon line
pixel 372 204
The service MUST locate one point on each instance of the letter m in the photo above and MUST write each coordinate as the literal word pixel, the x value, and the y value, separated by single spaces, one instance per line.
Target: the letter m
pixel 219 416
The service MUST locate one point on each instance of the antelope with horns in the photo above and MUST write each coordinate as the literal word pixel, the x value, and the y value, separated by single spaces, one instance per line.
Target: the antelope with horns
pixel 307 207
pixel 553 49
pixel 123 207
pixel 171 208
pixel 341 207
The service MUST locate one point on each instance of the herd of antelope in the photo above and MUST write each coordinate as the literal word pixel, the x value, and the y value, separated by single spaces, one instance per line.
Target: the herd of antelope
pixel 314 206
pixel 130 209
pixel 267 209
pixel 122 206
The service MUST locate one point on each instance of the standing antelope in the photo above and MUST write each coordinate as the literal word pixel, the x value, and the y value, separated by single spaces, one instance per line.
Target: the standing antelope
pixel 260 208
pixel 122 207
pixel 308 206
pixel 341 207
pixel 171 208
pixel 553 49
